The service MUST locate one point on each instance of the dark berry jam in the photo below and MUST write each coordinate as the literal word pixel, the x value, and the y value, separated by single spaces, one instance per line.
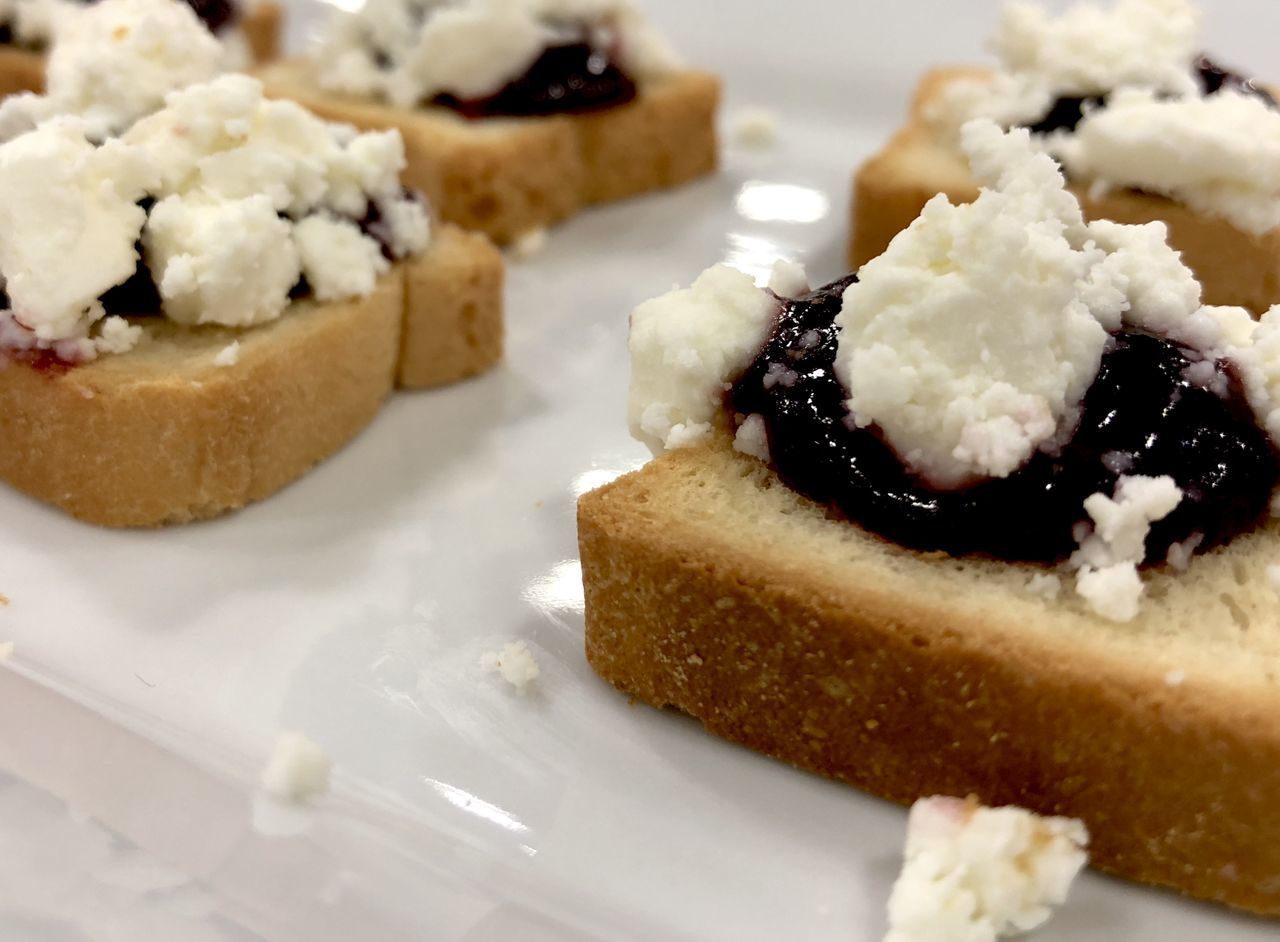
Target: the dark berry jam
pixel 216 14
pixel 574 77
pixel 1141 416
pixel 1066 113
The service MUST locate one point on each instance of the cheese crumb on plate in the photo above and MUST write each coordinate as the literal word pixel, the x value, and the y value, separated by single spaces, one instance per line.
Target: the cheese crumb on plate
pixel 297 770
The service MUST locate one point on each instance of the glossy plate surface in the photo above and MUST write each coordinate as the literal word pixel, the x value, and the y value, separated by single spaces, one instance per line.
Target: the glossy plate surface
pixel 153 669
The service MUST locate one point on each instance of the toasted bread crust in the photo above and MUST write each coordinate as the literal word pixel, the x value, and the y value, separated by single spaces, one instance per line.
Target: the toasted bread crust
pixel 509 176
pixel 712 588
pixel 262 24
pixel 890 189
pixel 163 435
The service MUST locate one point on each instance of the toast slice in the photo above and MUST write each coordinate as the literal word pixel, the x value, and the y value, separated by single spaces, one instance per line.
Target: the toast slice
pixel 509 176
pixel 164 434
pixel 890 189
pixel 22 70
pixel 713 588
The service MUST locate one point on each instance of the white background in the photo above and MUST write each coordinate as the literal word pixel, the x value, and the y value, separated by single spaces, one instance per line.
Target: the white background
pixel 355 605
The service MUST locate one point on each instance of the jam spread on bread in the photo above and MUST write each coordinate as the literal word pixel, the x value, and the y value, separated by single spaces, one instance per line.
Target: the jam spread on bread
pixel 573 77
pixel 1066 113
pixel 1143 415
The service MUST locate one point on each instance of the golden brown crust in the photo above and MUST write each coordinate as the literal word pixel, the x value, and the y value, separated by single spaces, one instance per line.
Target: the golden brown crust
pixel 20 71
pixel 1234 267
pixel 164 435
pixel 453 311
pixel 713 589
pixel 509 176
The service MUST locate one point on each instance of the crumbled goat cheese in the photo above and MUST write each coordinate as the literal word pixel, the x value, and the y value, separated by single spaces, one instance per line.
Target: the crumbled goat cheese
pixel 976 874
pixel 1108 558
pixel 1220 154
pixel 117 335
pixel 338 260
pixel 69 221
pixel 297 770
pixel 530 244
pixel 515 663
pixel 248 193
pixel 788 279
pixel 6 650
pixel 756 127
pixel 1045 584
pixel 228 355
pixel 1179 555
pixel 1038 290
pixel 684 346
pixel 1087 51
pixel 752 438
pixel 115 61
pixel 471 48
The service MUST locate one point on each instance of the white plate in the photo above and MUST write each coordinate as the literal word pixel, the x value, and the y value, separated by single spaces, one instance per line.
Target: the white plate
pixel 154 668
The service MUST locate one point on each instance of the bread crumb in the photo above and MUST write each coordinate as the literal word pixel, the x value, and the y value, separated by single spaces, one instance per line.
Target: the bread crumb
pixel 529 244
pixel 1175 678
pixel 1045 584
pixel 228 355
pixel 981 873
pixel 755 126
pixel 6 650
pixel 695 660
pixel 515 663
pixel 4 600
pixel 297 770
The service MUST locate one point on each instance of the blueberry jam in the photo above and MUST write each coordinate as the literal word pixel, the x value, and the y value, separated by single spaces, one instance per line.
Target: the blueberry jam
pixel 574 77
pixel 1140 416
pixel 1067 113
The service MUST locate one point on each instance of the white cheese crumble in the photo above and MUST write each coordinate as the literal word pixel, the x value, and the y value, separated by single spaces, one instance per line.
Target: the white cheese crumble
pixel 751 438
pixel 684 346
pixel 228 355
pixel 530 244
pixel 1087 51
pixel 755 127
pixel 6 650
pixel 1036 288
pixel 117 335
pixel 1108 558
pixel 115 61
pixel 1219 155
pixel 297 770
pixel 515 663
pixel 409 51
pixel 250 195
pixel 34 22
pixel 1046 585
pixel 977 874
pixel 788 279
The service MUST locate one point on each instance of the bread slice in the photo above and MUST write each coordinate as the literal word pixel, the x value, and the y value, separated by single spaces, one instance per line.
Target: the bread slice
pixel 262 24
pixel 890 189
pixel 163 434
pixel 509 176
pixel 713 588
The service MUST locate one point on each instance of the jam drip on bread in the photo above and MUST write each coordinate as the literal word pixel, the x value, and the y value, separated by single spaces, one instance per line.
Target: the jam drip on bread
pixel 1154 409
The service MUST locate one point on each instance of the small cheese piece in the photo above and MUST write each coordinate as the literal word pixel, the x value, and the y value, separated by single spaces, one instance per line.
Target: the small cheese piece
pixel 685 346
pixel 228 355
pixel 1109 556
pixel 975 874
pixel 788 279
pixel 756 127
pixel 752 438
pixel 297 770
pixel 338 260
pixel 530 244
pixel 6 650
pixel 33 23
pixel 69 221
pixel 515 663
pixel 117 335
pixel 230 262
pixel 1220 154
